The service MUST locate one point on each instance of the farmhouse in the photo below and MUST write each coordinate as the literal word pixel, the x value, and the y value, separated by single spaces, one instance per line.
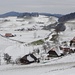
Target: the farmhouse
pixel 9 35
pixel 55 52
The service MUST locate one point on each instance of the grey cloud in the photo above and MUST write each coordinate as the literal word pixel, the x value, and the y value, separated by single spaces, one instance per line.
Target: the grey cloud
pixel 51 6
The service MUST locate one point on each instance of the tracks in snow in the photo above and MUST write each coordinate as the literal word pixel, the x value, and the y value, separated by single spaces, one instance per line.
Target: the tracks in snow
pixel 53 67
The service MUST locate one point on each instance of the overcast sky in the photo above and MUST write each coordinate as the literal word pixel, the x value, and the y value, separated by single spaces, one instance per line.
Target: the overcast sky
pixel 48 6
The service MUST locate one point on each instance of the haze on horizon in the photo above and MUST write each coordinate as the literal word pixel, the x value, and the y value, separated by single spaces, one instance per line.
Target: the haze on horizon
pixel 47 6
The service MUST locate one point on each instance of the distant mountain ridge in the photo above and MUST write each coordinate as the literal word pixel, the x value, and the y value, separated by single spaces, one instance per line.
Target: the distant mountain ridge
pixel 12 13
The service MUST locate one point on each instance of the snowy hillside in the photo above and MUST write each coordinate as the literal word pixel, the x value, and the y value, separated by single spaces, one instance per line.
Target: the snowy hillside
pixel 15 23
pixel 20 36
pixel 26 29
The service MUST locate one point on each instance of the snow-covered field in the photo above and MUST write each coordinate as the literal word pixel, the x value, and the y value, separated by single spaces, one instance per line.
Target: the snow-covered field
pixel 57 66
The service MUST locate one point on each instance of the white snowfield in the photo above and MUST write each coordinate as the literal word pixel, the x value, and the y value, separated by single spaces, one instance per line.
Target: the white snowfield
pixel 57 66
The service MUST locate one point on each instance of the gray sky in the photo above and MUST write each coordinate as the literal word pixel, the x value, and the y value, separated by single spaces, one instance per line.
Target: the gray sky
pixel 48 6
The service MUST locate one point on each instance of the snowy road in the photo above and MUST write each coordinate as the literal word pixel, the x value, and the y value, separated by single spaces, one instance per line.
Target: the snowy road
pixel 40 69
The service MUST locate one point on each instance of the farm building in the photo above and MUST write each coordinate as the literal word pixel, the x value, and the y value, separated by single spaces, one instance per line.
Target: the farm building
pixel 9 35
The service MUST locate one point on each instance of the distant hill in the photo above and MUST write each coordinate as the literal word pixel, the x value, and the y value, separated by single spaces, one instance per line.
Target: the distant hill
pixel 67 17
pixel 12 13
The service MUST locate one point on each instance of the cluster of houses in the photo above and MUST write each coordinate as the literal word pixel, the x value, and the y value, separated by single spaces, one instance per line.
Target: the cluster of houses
pixel 45 53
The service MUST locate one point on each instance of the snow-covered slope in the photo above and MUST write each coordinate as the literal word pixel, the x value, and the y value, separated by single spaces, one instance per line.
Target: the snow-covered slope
pixel 14 22
pixel 56 66
pixel 4 42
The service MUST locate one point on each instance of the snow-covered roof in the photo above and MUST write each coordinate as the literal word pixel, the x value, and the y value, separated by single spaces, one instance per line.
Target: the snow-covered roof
pixel 17 51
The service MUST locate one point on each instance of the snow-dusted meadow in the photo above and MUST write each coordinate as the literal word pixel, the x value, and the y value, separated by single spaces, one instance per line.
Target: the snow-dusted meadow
pixel 61 65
